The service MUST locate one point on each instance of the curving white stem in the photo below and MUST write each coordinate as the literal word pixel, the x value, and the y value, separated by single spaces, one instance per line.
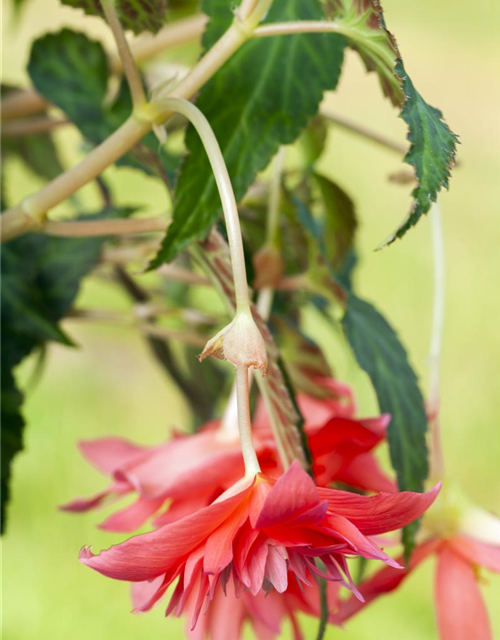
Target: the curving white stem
pixel 252 466
pixel 437 461
pixel 229 207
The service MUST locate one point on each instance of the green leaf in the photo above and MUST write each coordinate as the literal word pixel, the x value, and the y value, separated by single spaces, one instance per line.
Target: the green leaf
pixel 11 433
pixel 71 71
pixel 380 353
pixel 432 152
pixel 136 15
pixel 40 280
pixel 261 99
pixel 339 220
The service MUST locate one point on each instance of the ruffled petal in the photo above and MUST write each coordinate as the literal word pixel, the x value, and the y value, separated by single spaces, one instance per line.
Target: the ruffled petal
pixel 461 612
pixel 149 555
pixel 293 494
pixel 381 513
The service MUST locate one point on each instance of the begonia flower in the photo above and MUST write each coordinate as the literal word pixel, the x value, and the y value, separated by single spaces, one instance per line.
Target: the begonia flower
pixel 463 538
pixel 189 471
pixel 258 533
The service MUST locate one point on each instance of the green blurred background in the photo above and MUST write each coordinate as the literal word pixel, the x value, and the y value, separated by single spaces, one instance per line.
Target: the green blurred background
pixel 111 385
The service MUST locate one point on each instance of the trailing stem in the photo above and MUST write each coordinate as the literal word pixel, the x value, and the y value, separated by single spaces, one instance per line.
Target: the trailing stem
pixel 437 460
pixel 129 66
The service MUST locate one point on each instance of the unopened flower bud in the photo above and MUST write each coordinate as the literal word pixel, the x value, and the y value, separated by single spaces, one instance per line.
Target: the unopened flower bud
pixel 240 343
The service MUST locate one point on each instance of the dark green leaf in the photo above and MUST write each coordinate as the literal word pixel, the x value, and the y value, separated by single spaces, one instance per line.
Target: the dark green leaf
pixel 339 220
pixel 275 85
pixel 380 353
pixel 11 433
pixel 40 280
pixel 432 151
pixel 71 71
pixel 136 15
pixel 221 15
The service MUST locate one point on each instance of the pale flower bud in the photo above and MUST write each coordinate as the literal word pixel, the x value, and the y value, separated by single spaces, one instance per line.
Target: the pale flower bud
pixel 240 343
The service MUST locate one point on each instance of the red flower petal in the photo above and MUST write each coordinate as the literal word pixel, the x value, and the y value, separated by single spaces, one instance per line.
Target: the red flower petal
pixel 381 513
pixel 149 555
pixel 461 613
pixel 293 494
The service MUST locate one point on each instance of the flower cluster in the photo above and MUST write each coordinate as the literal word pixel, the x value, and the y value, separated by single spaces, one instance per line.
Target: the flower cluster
pixel 253 548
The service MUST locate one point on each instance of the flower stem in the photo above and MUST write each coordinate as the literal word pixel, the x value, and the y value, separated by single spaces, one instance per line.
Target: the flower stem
pixel 96 228
pixel 252 466
pixel 437 459
pixel 171 35
pixel 128 62
pixel 229 207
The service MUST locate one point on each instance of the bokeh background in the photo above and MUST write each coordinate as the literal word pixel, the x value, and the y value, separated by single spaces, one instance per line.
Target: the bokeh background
pixel 111 385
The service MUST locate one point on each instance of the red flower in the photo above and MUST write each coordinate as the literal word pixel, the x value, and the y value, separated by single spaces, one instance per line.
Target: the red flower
pixel 462 543
pixel 258 533
pixel 192 470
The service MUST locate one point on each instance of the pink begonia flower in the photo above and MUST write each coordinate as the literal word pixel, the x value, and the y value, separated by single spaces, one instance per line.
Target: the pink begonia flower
pixel 265 611
pixel 258 533
pixel 190 471
pixel 463 538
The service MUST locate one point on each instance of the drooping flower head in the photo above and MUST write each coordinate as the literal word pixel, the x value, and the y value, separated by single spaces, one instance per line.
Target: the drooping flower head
pixel 261 533
pixel 190 471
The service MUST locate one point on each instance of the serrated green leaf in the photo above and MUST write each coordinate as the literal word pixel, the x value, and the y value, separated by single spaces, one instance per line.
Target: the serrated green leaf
pixel 40 280
pixel 261 99
pixel 71 71
pixel 432 152
pixel 136 15
pixel 380 353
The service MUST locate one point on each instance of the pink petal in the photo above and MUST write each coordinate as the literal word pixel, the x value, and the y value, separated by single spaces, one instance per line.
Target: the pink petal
pixel 276 569
pixel 108 454
pixel 143 592
pixel 149 555
pixel 381 513
pixel 346 530
pixel 382 582
pixel 79 505
pixel 461 613
pixel 177 468
pixel 219 547
pixel 293 494
pixel 477 552
pixel 132 517
pixel 183 507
